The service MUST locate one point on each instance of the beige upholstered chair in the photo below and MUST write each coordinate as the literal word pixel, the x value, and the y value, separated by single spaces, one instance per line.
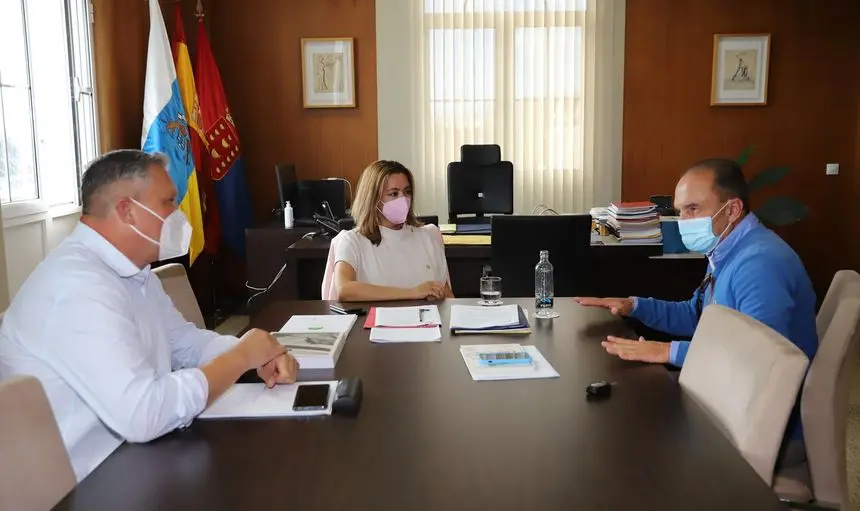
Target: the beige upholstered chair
pixel 824 413
pixel 844 284
pixel 35 471
pixel 178 288
pixel 746 376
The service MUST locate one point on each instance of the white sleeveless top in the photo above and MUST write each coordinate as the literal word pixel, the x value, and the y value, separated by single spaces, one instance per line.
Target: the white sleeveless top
pixel 405 258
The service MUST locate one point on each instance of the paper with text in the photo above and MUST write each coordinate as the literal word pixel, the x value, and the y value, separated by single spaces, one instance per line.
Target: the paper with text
pixel 477 316
pixel 392 335
pixel 255 400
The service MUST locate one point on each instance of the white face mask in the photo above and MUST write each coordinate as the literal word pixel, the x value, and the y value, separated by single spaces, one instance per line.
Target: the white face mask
pixel 175 235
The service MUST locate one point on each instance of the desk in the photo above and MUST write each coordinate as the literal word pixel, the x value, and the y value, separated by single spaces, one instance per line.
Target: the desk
pixel 624 271
pixel 430 438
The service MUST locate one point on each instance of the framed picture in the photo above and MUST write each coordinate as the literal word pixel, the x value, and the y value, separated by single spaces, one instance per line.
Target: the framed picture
pixel 328 73
pixel 740 69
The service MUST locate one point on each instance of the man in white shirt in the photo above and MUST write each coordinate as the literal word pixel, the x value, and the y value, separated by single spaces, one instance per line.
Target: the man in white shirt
pixel 116 358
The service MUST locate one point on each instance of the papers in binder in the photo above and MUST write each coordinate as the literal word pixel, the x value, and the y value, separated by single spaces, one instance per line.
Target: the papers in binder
pixel 407 317
pixel 392 335
pixel 476 317
pixel 255 400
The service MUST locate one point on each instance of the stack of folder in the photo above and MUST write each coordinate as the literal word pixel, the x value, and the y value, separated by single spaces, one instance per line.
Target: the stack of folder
pixel 476 319
pixel 635 223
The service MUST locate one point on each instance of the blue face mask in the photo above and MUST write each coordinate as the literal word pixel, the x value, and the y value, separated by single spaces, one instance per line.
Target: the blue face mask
pixel 697 234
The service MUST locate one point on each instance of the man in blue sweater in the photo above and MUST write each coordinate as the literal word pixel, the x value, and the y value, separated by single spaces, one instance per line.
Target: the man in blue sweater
pixel 751 270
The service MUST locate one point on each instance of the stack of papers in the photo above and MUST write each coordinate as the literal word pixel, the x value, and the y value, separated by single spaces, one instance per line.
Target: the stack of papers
pixel 476 319
pixel 255 400
pixel 316 341
pixel 404 324
pixel 539 368
pixel 635 223
pixel 466 239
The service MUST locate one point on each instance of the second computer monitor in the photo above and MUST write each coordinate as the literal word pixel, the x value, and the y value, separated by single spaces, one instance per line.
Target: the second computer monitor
pixel 480 190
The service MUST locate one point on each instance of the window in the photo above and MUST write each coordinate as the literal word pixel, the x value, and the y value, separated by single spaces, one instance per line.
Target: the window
pixel 509 72
pixel 48 129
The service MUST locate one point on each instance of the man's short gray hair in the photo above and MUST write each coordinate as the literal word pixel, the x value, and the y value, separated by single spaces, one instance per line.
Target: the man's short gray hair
pixel 110 168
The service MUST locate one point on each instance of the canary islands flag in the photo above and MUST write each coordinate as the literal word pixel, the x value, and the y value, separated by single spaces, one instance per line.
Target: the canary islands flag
pixel 165 125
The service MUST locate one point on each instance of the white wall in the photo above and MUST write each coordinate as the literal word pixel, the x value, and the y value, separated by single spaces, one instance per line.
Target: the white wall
pixel 395 87
pixel 28 239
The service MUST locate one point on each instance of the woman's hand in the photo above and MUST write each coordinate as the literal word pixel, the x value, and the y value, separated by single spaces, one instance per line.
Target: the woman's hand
pixel 429 290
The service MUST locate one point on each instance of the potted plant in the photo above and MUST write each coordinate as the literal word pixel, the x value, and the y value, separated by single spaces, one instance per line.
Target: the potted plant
pixel 777 211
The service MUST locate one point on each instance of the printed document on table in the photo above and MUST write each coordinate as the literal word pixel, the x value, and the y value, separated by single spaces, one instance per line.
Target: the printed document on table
pixel 392 335
pixel 539 368
pixel 477 316
pixel 407 316
pixel 255 400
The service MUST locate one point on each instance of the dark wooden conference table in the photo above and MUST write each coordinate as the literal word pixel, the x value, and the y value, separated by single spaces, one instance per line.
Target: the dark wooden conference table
pixel 430 438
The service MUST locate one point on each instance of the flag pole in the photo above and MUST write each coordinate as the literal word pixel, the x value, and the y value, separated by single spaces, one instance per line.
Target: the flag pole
pixel 199 14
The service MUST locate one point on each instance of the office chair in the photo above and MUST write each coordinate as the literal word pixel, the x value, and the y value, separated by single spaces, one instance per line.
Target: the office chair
pixel 480 183
pixel 35 467
pixel 348 223
pixel 516 244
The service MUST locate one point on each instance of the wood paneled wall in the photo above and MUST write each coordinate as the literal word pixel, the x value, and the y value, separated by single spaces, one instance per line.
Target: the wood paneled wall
pixel 258 48
pixel 811 118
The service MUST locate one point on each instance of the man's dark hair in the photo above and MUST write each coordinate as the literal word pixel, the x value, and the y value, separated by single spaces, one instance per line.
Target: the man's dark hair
pixel 112 167
pixel 728 179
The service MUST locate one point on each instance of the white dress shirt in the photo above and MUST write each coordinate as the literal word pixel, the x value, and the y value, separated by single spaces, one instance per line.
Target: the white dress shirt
pixel 405 258
pixel 116 358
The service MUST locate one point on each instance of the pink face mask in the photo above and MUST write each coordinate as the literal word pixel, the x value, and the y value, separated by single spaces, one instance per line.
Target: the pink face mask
pixel 396 211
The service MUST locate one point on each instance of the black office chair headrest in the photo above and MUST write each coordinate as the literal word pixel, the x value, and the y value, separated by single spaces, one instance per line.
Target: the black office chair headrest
pixel 484 154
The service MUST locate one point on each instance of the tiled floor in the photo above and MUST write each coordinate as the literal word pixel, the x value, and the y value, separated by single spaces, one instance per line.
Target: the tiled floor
pixel 235 324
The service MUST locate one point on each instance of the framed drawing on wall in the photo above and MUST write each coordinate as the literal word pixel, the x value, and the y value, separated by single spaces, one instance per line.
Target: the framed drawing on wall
pixel 740 69
pixel 328 73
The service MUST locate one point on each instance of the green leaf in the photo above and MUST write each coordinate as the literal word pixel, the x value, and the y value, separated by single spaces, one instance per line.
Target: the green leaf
pixel 744 157
pixel 768 177
pixel 781 211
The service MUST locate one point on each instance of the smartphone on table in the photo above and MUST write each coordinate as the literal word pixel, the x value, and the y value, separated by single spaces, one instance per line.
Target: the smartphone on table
pixel 311 397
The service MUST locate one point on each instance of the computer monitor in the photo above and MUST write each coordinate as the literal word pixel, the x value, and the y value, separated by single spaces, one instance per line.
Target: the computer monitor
pixel 310 195
pixel 516 244
pixel 285 179
pixel 480 190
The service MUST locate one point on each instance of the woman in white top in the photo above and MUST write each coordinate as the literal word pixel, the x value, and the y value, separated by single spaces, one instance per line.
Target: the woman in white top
pixel 389 255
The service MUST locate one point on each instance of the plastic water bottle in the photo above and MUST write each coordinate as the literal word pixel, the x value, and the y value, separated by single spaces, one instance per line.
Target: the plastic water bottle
pixel 288 216
pixel 544 288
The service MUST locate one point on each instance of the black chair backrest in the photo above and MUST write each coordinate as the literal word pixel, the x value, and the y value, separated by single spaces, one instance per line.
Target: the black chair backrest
pixel 348 223
pixel 480 183
pixel 516 244
pixel 480 155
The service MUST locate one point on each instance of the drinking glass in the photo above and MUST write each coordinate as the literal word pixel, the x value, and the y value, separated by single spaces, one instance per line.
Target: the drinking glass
pixel 491 291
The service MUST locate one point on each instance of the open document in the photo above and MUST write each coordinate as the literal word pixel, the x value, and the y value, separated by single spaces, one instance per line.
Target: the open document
pixel 255 400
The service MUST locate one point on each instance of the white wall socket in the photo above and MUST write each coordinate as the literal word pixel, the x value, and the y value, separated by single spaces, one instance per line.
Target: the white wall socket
pixel 832 169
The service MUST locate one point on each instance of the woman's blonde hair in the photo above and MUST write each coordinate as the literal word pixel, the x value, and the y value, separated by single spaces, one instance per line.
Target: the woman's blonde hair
pixel 367 197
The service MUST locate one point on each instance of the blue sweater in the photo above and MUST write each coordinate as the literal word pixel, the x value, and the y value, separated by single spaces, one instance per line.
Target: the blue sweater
pixel 755 272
